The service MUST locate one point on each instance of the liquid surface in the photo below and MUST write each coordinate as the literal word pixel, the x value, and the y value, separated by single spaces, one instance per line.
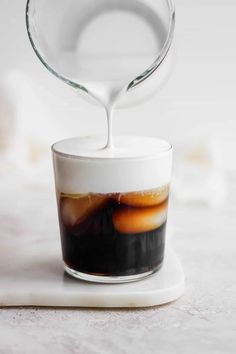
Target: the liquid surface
pixel 113 234
pixel 125 147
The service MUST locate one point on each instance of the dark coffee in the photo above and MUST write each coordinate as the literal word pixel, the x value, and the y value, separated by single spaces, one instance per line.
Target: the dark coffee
pixel 114 234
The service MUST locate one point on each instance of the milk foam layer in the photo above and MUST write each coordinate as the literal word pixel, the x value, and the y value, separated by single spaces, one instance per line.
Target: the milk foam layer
pixel 82 165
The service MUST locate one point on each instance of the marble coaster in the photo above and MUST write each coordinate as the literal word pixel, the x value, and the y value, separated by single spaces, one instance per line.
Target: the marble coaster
pixel 31 274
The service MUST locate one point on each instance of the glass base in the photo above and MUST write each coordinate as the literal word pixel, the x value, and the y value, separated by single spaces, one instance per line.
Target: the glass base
pixel 109 279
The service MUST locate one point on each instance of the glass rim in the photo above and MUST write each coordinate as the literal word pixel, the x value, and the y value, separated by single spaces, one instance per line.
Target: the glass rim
pixel 153 155
pixel 142 77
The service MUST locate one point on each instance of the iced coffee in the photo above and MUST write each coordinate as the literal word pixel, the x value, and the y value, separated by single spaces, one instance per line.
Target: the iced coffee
pixel 112 225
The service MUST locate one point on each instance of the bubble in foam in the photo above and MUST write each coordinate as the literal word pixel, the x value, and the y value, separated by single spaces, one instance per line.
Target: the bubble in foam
pixel 83 165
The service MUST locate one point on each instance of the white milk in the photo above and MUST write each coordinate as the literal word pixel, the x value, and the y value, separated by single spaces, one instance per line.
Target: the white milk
pixel 82 165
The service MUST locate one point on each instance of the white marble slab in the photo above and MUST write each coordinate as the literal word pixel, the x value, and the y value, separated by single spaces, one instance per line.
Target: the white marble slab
pixel 32 275
pixel 31 268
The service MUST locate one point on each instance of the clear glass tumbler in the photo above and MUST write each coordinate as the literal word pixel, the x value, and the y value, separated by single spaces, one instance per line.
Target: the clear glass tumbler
pixel 83 42
pixel 112 207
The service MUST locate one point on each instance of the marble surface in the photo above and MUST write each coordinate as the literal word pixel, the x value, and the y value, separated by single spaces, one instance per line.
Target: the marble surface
pixel 33 275
pixel 203 320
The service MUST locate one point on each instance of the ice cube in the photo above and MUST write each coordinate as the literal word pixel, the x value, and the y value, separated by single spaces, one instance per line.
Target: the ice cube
pixel 76 208
pixel 137 220
pixel 145 199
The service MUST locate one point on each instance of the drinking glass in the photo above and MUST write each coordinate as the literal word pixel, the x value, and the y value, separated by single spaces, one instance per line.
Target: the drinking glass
pixel 112 209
